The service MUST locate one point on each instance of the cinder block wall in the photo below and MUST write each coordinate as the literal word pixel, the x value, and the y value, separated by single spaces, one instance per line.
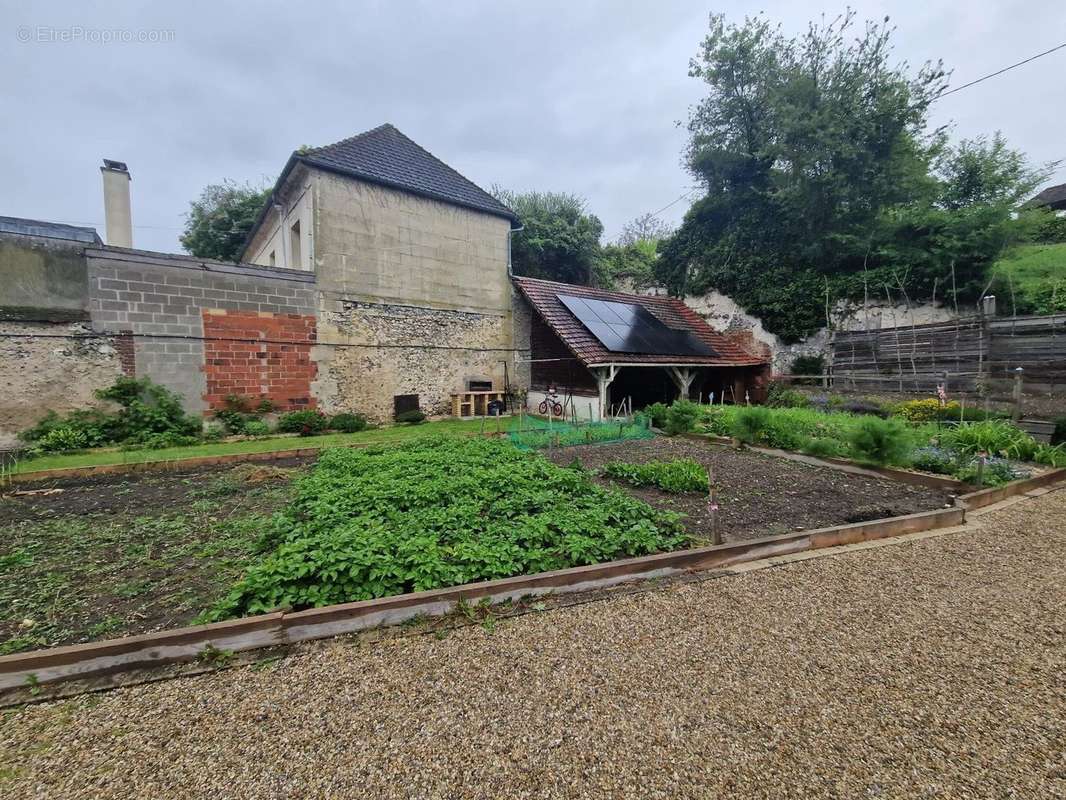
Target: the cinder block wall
pixel 162 300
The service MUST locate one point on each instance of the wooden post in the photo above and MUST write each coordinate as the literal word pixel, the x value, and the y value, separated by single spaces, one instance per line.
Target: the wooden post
pixel 1017 413
pixel 712 507
pixel 981 469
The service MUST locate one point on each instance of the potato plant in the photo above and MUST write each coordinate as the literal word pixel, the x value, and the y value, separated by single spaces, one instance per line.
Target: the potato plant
pixel 439 512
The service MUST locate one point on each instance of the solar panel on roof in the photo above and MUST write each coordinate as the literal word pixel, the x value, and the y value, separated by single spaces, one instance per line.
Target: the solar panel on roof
pixel 631 328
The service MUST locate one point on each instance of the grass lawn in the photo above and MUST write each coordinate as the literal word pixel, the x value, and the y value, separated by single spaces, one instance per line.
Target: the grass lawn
pixel 1038 275
pixel 394 433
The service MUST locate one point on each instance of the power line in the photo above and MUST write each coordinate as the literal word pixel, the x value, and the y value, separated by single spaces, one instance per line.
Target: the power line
pixel 999 72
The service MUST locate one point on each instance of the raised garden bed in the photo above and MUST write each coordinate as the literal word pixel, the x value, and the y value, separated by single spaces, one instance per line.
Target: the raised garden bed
pixel 760 495
pixel 94 558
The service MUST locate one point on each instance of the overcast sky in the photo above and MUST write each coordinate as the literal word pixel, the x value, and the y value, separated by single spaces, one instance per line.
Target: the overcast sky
pixel 572 96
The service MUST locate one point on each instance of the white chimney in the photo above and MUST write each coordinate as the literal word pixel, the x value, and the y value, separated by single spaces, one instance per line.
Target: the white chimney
pixel 117 203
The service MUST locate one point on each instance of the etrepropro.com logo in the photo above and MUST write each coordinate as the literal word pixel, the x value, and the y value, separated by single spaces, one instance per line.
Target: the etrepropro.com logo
pixel 76 34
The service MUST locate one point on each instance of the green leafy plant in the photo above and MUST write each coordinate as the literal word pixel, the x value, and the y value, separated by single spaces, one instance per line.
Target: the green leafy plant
pixel 61 438
pixel 995 437
pixel 348 423
pixel 750 424
pixel 438 512
pixel 1051 455
pixel 880 441
pixel 778 395
pixel 657 413
pixel 233 421
pixel 412 417
pixel 256 427
pixel 676 477
pixel 308 422
pixel 996 472
pixel 682 416
pixel 823 447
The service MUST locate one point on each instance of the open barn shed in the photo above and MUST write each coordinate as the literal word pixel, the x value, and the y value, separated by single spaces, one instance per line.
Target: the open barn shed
pixel 607 349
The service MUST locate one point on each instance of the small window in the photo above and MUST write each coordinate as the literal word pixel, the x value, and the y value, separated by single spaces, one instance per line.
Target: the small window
pixel 294 244
pixel 273 259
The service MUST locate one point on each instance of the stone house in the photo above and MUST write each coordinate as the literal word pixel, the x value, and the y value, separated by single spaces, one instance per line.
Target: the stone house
pixel 411 271
pixel 376 277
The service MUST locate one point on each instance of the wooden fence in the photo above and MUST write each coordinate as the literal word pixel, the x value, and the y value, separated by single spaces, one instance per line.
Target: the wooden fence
pixel 972 354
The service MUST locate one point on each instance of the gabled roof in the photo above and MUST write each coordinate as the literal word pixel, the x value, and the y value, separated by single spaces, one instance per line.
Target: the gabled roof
pixel 384 155
pixel 49 230
pixel 1053 196
pixel 671 311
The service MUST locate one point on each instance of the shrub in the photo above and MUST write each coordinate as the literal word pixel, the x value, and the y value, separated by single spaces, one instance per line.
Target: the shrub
pixel 413 417
pixel 160 441
pixel 995 437
pixel 823 447
pixel 233 421
pixel 995 473
pixel 256 427
pixel 1059 436
pixel 676 477
pixel 265 406
pixel 61 438
pixel 348 423
pixel 438 512
pixel 213 432
pixel 1051 455
pixel 681 417
pixel 780 396
pixel 808 365
pixel 926 410
pixel 864 407
pixel 308 422
pixel 750 424
pixel 880 441
pixel 147 408
pixel 934 459
pixel 657 413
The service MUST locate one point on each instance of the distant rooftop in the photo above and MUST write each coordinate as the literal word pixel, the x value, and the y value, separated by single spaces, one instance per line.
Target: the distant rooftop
pixel 49 230
pixel 1052 197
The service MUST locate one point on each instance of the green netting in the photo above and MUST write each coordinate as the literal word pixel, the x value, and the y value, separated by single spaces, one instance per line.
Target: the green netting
pixel 535 433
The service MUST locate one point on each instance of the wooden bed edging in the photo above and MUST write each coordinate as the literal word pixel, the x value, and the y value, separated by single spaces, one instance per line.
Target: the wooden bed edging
pixel 987 497
pixel 93 659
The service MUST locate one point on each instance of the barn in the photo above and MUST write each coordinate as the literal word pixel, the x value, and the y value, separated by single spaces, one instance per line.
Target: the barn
pixel 608 349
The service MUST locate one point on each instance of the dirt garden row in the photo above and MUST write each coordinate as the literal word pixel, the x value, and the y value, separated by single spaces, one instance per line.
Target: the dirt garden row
pixel 95 558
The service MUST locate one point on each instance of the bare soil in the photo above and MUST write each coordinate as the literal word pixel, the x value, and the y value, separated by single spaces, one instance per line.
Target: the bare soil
pixel 759 495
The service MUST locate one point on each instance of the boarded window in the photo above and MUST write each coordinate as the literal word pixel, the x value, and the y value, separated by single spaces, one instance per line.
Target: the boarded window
pixel 404 402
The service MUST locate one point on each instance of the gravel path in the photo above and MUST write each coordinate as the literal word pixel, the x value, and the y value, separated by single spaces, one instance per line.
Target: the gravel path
pixel 929 669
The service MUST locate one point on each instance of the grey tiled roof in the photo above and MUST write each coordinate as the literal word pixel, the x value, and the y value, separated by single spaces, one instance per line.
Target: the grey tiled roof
pixel 49 230
pixel 384 155
pixel 1053 196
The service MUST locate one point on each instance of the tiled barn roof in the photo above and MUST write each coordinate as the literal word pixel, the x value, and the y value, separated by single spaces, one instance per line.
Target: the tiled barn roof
pixel 672 312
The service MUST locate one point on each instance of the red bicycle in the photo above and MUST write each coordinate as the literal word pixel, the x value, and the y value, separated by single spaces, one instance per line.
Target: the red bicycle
pixel 551 402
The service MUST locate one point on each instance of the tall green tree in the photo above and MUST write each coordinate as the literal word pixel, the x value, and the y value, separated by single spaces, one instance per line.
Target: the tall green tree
pixel 219 220
pixel 559 240
pixel 824 180
pixel 802 143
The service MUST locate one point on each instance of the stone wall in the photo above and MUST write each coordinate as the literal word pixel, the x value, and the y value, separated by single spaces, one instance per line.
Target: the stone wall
pixel 42 278
pixel 161 300
pixel 51 366
pixel 726 315
pixel 370 352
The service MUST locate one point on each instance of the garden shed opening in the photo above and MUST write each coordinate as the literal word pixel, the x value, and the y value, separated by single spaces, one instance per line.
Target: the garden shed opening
pixel 611 350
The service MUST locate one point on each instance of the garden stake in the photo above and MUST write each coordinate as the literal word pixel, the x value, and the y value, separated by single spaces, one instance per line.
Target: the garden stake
pixel 712 506
pixel 981 469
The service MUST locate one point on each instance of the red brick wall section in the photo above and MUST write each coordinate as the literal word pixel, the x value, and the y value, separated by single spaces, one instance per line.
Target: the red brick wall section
pixel 127 358
pixel 259 355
